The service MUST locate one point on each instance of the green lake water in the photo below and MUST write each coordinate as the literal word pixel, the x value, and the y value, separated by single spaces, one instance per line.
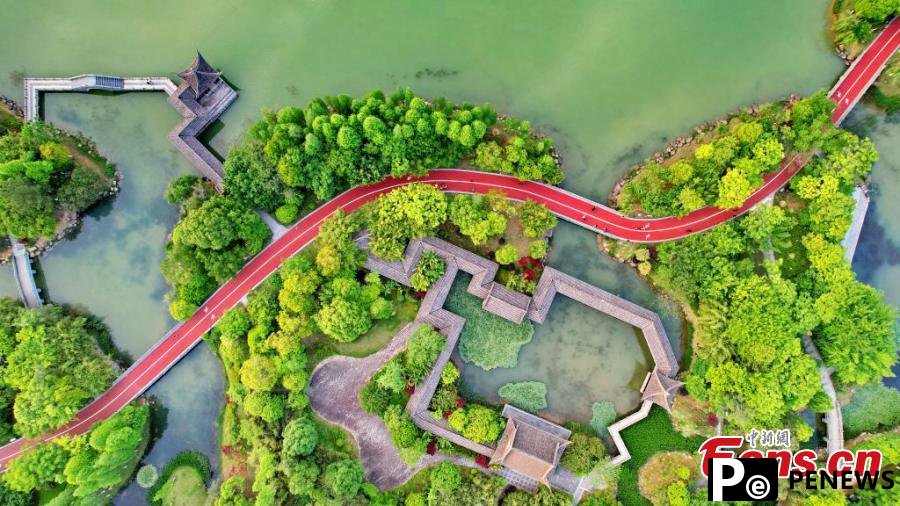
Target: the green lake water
pixel 611 83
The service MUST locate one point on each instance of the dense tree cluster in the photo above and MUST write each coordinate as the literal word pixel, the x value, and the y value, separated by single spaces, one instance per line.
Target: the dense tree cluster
pixel 209 244
pixel 752 312
pixel 387 392
pixel 319 293
pixel 857 26
pixel 409 212
pixel 52 366
pixel 728 166
pixel 90 468
pixel 301 156
pixel 40 180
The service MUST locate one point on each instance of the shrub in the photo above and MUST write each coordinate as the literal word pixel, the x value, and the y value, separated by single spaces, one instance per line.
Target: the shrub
pixel 374 399
pixel 430 268
pixel 663 470
pixel 584 452
pixel 287 213
pixel 423 349
pixel 458 420
pixel 536 219
pixel 404 433
pixel 602 415
pixel 449 374
pixel 871 408
pixel 507 254
pixel 528 395
pixel 392 377
pixel 445 477
pixel 537 249
pixel 444 399
pixel 147 476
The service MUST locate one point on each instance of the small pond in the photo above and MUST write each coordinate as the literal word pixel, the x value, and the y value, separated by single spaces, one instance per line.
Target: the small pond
pixel 582 355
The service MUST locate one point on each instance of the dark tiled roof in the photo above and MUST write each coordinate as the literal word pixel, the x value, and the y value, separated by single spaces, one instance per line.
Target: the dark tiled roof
pixel 200 75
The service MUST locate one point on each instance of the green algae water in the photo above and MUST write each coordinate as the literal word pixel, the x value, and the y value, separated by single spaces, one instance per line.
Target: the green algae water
pixel 610 82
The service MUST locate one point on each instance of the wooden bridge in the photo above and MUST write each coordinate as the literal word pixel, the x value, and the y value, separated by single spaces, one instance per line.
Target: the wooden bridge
pixel 29 293
pixel 200 99
pixel 88 82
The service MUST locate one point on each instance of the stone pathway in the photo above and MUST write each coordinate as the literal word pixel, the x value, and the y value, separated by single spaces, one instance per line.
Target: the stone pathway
pixel 334 394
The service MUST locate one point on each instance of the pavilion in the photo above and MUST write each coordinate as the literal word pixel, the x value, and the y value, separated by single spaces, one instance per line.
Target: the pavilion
pixel 530 446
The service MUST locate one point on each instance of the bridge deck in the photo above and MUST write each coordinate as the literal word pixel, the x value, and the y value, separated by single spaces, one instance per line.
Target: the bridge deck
pixel 28 290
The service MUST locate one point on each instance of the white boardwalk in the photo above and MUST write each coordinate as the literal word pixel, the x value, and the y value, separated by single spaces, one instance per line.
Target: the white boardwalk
pixel 21 263
pixel 87 82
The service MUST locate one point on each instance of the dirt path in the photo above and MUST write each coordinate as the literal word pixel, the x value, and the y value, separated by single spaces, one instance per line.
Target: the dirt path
pixel 334 394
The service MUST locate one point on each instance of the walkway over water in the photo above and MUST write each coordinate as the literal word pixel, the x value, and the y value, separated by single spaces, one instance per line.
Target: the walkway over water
pixel 582 211
pixel 199 101
pixel 865 69
pixel 21 264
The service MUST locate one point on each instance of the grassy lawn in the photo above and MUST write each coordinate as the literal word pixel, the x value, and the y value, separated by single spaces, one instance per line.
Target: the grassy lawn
pixel 185 487
pixel 651 435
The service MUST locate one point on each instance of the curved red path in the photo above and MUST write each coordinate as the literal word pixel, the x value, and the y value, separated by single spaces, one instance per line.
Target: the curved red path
pixel 579 210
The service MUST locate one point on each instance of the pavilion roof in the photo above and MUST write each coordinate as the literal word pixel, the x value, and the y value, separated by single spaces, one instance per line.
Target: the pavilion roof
pixel 660 389
pixel 530 446
pixel 200 75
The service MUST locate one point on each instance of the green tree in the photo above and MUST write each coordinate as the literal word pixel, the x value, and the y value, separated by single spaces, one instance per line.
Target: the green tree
pixel 181 188
pixel 39 467
pixel 409 212
pixel 429 269
pixel 583 453
pixel 259 373
pixel 536 219
pixel 299 437
pixel 343 478
pixel 445 477
pixel 506 254
pixel 482 424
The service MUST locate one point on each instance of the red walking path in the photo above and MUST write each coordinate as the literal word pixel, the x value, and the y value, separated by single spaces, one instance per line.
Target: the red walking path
pixel 568 206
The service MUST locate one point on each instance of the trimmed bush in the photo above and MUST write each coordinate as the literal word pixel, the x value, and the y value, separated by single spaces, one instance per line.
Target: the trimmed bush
pixel 287 214
pixel 528 395
pixel 147 476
